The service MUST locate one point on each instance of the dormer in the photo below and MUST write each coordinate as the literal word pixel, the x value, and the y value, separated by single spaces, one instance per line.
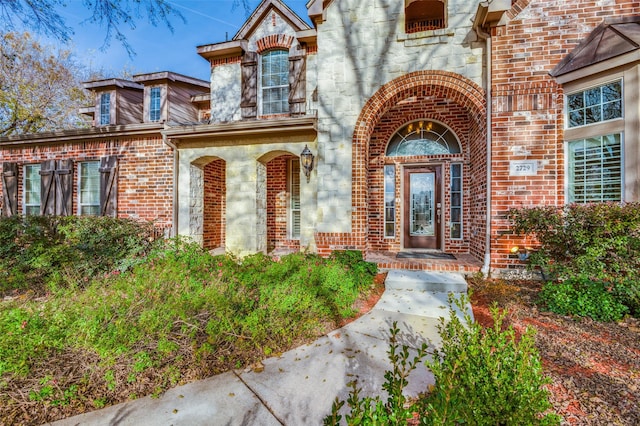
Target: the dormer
pixel 117 102
pixel 262 72
pixel 168 97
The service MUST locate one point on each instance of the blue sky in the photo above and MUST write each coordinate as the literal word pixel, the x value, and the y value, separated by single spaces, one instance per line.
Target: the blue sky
pixel 157 49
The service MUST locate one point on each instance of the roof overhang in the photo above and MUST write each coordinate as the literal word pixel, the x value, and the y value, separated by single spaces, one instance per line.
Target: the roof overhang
pixel 261 12
pixel 226 49
pixel 226 133
pixel 613 43
pixel 112 83
pixel 75 135
pixel 167 76
pixel 490 14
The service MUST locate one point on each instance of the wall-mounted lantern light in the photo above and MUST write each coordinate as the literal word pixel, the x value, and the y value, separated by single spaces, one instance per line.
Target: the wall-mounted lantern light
pixel 306 160
pixel 522 252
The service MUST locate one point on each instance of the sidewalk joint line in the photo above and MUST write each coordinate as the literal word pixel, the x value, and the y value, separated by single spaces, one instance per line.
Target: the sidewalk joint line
pixel 262 401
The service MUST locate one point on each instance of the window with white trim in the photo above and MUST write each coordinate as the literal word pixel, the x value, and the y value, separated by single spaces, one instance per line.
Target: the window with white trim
pixel 294 198
pixel 32 186
pixel 595 105
pixel 274 82
pixel 89 188
pixel 105 109
pixel 595 169
pixel 154 103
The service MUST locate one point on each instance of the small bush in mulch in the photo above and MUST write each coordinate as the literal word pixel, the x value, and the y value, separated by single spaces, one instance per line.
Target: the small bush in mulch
pixel 591 251
pixel 594 366
pixel 483 376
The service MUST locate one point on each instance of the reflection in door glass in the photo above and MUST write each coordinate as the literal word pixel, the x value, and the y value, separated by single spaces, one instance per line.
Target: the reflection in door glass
pixel 422 201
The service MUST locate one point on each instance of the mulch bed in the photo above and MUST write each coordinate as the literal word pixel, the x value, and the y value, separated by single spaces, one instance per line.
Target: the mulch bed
pixel 594 367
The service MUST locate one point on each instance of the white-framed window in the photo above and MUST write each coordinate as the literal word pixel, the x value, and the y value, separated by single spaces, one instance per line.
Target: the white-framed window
pixel 274 82
pixel 389 201
pixel 155 103
pixel 105 109
pixel 456 201
pixel 595 169
pixel 89 188
pixel 32 185
pixel 595 105
pixel 294 198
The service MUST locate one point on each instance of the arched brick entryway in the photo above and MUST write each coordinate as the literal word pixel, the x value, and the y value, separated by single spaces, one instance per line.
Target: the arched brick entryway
pixel 429 86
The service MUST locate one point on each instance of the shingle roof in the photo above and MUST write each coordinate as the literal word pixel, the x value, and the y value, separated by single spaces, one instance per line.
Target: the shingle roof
pixel 613 37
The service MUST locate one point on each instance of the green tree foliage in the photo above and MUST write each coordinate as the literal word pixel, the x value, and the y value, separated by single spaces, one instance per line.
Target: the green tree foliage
pixel 40 87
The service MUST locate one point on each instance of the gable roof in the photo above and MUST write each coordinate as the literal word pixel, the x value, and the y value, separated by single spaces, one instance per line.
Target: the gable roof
pixel 612 38
pixel 261 12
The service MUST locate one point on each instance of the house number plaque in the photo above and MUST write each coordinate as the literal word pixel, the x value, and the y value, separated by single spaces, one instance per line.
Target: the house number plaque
pixel 523 168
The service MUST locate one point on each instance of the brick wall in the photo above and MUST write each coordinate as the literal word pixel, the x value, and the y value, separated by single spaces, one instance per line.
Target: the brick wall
pixel 215 193
pixel 420 107
pixel 145 175
pixel 528 104
pixel 451 91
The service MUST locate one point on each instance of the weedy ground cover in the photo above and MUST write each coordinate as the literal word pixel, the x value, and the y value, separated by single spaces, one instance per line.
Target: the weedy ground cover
pixel 177 315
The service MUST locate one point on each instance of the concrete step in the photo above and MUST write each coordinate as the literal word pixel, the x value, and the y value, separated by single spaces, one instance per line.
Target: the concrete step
pixel 425 281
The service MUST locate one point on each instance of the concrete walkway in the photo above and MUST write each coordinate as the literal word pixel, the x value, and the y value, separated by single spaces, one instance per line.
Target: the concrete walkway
pixel 299 387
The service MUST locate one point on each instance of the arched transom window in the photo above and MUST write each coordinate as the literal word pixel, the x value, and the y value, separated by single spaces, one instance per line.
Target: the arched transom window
pixel 423 137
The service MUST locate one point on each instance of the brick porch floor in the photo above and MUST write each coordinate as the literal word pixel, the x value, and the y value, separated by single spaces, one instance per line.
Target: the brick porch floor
pixel 463 263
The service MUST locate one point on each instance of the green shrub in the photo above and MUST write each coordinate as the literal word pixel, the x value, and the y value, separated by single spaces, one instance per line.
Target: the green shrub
pixel 486 376
pixel 54 251
pixel 582 297
pixel 181 296
pixel 598 242
pixel 482 377
pixel 374 410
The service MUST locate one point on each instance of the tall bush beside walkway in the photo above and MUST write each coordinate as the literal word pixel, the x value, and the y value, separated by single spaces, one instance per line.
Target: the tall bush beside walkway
pixel 587 243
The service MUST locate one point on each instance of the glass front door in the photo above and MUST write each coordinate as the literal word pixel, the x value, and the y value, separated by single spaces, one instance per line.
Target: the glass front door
pixel 422 207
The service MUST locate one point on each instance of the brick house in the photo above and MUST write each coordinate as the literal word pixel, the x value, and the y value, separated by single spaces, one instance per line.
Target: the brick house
pixel 427 121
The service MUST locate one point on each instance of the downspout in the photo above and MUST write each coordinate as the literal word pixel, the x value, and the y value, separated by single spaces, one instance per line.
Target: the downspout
pixel 486 267
pixel 176 171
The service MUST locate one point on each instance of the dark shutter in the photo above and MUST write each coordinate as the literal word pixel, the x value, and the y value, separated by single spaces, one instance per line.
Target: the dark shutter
pixel 9 189
pixel 249 101
pixel 297 85
pixel 47 187
pixel 109 186
pixel 64 187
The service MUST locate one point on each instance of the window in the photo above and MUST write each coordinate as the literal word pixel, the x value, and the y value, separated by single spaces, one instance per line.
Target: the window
pixel 89 188
pixel 274 78
pixel 423 138
pixel 389 201
pixel 154 103
pixel 456 201
pixel 424 15
pixel 105 109
pixel 594 105
pixel 294 200
pixel 32 186
pixel 595 169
